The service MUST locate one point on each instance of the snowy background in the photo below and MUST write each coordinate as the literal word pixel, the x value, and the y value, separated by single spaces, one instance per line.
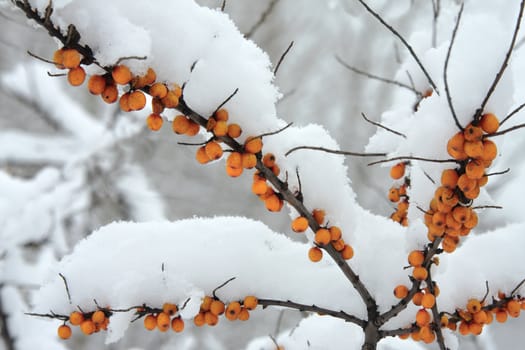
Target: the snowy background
pixel 71 164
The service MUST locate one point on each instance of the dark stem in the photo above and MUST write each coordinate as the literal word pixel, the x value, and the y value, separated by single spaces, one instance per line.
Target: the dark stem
pixel 262 19
pixel 327 150
pixel 414 158
pixel 516 110
pixel 281 59
pixel 383 127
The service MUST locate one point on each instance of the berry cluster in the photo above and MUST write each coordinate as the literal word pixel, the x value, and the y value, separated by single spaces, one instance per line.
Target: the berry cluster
pixel 398 194
pixel 89 322
pixel 163 319
pixel 211 308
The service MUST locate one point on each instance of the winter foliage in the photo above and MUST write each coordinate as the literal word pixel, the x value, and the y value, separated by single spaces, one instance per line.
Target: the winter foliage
pixel 91 229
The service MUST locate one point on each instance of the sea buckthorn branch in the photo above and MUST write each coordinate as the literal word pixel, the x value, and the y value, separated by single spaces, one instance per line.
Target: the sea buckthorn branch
pixel 313 308
pixel 334 151
pixel 379 125
pixel 445 70
pixel 512 113
pixel 376 77
pixel 431 160
pixel 281 59
pixel 262 19
pixel 155 122
pixel 435 312
pixel 405 43
pixel 504 64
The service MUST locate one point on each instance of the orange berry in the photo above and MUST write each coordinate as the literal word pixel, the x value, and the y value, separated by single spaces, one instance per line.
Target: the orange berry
pixel 473 133
pixel 253 144
pixel 76 76
pixel 206 303
pixel 87 327
pixel 177 324
pixel 473 306
pixel 220 128
pixel 269 160
pixel 475 169
pixel 466 184
pixel 397 171
pixel 456 147
pixel 156 105
pixel 170 100
pixel 249 160
pixel 158 90
pixel 244 314
pixel 154 122
pixel 474 149
pixel 501 315
pixel 221 115
pixel 490 151
pixel 480 317
pixel 232 310
pixel 393 194
pixel 234 172
pixel 273 203
pixel 177 90
pixel 420 273
pixel 259 187
pixel 96 84
pixel 416 258
pixel 339 245
pixel 475 328
pixel 169 308
pixel 250 302
pixel 121 74
pixel 318 215
pixel 150 322
pixel 417 298
pixel 299 224
pixel 193 128
pixel 201 155
pixel 110 93
pixel 210 124
pixel 462 214
pixel 322 236
pixel 70 58
pixel 422 318
pixel 76 318
pixel 335 233
pixel 234 130
pixel 400 291
pixel 448 244
pixel 217 307
pixel 98 317
pixel 428 300
pixel 439 219
pixel 464 328
pixel 348 252
pixel 180 124
pixel 124 102
pixel 449 178
pixel 513 307
pixel 163 321
pixel 489 123
pixel 147 79
pixel 315 254
pixel 234 160
pixel 199 319
pixel 58 58
pixel 137 100
pixel 64 332
pixel 276 170
pixel 213 150
pixel 473 193
pixel 444 321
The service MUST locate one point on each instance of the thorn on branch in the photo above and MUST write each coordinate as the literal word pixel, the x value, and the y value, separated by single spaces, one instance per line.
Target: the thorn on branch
pixel 282 58
pixel 67 287
pixel 222 285
pixel 383 127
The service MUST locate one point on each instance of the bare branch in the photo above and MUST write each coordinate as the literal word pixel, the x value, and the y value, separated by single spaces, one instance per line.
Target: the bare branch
pixel 499 172
pixel 503 132
pixel 376 77
pixel 227 99
pixel 277 131
pixel 282 58
pixel 504 64
pixel 67 287
pixel 515 290
pixel 414 158
pixel 222 285
pixel 516 110
pixel 405 43
pixel 445 70
pixel 383 127
pixel 262 19
pixel 345 153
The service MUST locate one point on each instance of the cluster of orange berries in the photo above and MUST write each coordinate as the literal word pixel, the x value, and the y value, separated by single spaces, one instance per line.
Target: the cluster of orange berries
pixel 211 308
pixel 260 187
pixel 476 315
pixel 165 319
pixel 450 215
pixel 89 323
pixel 106 85
pixel 399 194
pixel 324 236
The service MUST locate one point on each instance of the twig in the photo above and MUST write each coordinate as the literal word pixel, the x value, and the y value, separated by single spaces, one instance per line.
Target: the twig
pixel 488 207
pixel 313 308
pixel 277 131
pixel 40 58
pixel 376 77
pixel 140 58
pixel 345 153
pixel 414 158
pixel 282 58
pixel 382 126
pixel 227 99
pixel 517 287
pixel 222 285
pixel 67 287
pixel 499 172
pixel 516 110
pixel 503 67
pixel 262 19
pixel 445 70
pixel 487 290
pixel 193 144
pixel 435 314
pixel 503 132
pixel 405 43
pixel 223 6
pixel 56 75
